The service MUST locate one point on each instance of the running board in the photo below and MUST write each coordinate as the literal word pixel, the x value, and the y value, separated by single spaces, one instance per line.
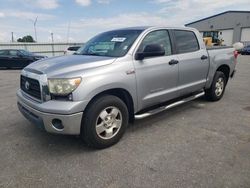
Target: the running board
pixel 163 108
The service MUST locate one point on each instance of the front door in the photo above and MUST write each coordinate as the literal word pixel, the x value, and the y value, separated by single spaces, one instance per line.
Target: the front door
pixel 156 78
pixel 17 59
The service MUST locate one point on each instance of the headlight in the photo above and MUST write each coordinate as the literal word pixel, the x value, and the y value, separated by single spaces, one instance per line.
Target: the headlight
pixel 63 86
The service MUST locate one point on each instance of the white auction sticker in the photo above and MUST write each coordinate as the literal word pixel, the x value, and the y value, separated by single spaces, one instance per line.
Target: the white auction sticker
pixel 118 39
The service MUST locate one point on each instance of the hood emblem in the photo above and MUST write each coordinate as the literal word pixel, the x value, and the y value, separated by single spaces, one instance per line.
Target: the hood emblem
pixel 27 85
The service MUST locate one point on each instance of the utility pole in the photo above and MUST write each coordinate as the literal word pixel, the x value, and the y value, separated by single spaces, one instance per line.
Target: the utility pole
pixel 12 37
pixel 52 39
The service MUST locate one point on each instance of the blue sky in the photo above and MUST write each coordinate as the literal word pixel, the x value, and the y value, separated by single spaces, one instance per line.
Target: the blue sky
pixel 86 18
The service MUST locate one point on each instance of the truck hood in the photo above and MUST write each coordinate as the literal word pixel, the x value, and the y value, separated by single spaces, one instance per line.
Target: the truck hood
pixel 65 64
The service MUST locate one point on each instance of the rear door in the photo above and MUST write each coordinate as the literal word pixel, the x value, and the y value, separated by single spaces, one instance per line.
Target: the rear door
pixel 4 59
pixel 193 62
pixel 156 78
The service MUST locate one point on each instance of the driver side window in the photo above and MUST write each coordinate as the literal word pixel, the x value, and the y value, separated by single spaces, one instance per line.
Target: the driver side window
pixel 160 37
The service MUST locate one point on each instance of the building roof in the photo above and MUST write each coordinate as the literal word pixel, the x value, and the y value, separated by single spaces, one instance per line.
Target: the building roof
pixel 230 11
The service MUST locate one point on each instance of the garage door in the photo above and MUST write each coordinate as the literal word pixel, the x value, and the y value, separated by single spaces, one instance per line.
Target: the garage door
pixel 245 34
pixel 227 36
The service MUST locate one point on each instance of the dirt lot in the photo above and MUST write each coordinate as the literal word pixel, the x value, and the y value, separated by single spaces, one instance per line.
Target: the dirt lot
pixel 199 144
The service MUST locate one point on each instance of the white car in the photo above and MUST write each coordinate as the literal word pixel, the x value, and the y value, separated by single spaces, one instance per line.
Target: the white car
pixel 70 50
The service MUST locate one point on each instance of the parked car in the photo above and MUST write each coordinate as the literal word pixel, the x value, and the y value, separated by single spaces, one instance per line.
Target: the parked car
pixel 11 58
pixel 71 50
pixel 245 50
pixel 119 76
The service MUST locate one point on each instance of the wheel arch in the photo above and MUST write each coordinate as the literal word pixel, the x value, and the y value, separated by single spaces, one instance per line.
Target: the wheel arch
pixel 121 93
pixel 225 69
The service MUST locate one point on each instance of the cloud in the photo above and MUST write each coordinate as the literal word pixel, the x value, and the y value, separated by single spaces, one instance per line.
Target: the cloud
pixel 27 15
pixel 122 20
pixel 43 4
pixel 47 4
pixel 103 1
pixel 56 38
pixel 2 15
pixel 169 13
pixel 3 36
pixel 191 10
pixel 163 1
pixel 83 2
pixel 88 27
pixel 86 3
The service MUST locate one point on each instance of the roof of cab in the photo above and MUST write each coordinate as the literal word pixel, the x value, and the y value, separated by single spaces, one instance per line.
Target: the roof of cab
pixel 154 27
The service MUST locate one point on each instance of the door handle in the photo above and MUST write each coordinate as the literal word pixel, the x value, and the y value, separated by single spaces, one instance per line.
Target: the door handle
pixel 204 57
pixel 173 62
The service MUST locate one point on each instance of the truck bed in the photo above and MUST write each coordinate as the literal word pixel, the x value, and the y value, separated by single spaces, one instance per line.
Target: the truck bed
pixel 218 47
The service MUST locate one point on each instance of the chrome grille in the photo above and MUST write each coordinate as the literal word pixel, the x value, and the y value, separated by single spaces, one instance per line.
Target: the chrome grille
pixel 31 87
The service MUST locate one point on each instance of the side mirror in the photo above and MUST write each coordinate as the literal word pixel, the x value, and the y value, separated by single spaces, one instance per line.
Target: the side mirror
pixel 151 50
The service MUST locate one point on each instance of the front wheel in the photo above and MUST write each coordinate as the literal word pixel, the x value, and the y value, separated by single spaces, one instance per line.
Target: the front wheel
pixel 217 89
pixel 104 121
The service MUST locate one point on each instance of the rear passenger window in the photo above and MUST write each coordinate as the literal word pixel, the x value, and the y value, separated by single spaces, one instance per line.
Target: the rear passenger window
pixel 160 37
pixel 3 52
pixel 186 41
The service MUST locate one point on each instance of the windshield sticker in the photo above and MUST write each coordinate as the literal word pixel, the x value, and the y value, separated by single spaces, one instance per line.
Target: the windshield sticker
pixel 125 47
pixel 118 39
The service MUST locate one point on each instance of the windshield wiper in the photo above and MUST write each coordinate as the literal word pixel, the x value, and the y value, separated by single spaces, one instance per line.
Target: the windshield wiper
pixel 93 54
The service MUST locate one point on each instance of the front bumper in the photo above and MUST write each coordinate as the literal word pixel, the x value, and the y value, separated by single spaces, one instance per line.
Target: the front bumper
pixel 71 123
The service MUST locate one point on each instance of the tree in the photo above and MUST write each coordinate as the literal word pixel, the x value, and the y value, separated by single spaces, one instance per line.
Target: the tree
pixel 27 38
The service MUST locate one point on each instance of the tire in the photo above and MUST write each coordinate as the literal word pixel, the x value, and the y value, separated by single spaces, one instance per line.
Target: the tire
pixel 217 89
pixel 104 122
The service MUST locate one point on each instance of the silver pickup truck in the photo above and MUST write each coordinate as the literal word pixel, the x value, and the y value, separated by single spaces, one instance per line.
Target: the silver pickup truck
pixel 119 76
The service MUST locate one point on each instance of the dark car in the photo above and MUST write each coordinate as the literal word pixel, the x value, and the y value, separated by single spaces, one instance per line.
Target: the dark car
pixel 245 50
pixel 11 58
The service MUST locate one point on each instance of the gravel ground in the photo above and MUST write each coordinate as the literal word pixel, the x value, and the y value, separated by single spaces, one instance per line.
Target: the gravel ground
pixel 198 144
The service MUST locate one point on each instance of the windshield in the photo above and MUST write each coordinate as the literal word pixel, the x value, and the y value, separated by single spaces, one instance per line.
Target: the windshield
pixel 24 52
pixel 111 44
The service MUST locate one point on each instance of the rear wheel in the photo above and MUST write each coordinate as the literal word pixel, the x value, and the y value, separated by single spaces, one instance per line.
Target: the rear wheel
pixel 216 91
pixel 104 121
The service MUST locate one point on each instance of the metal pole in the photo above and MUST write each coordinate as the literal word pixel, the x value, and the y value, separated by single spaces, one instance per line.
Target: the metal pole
pixel 12 36
pixel 52 39
pixel 35 28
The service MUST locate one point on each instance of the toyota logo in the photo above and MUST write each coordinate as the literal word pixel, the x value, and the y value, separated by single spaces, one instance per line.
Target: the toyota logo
pixel 27 85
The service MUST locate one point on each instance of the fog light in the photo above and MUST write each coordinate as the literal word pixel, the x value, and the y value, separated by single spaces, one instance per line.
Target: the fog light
pixel 70 97
pixel 57 124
